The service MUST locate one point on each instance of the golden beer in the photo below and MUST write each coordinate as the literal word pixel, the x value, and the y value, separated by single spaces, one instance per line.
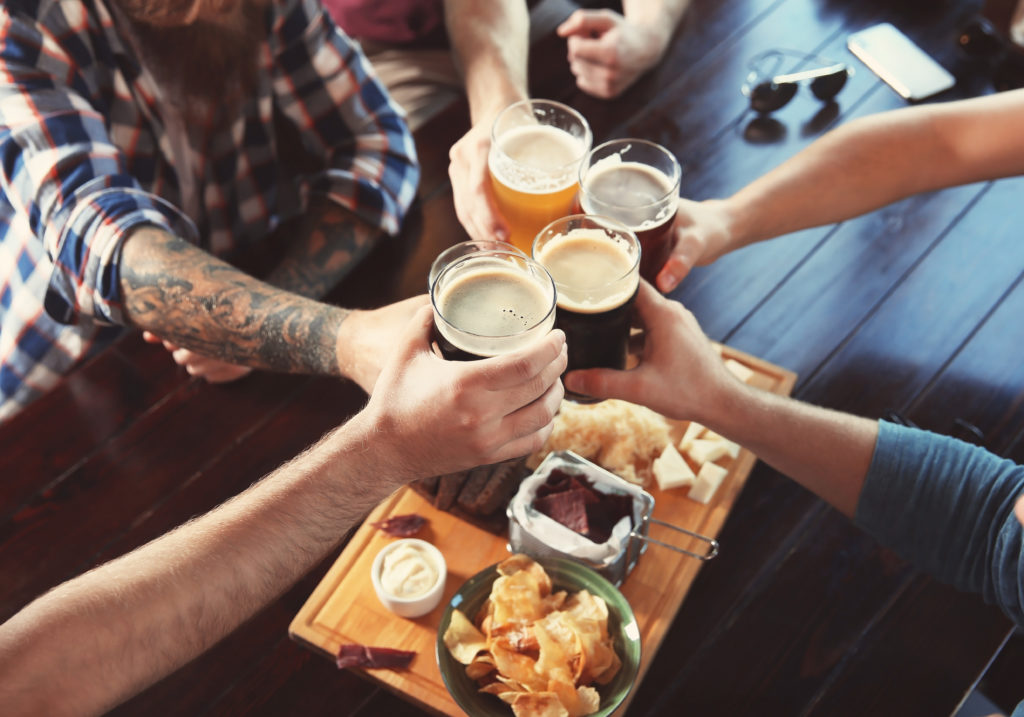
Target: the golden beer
pixel 536 150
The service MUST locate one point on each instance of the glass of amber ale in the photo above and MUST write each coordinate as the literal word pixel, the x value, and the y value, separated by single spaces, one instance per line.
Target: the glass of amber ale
pixel 595 262
pixel 534 162
pixel 636 182
pixel 491 302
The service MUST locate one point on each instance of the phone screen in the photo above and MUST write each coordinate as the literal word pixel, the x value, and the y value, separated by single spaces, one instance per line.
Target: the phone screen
pixel 899 62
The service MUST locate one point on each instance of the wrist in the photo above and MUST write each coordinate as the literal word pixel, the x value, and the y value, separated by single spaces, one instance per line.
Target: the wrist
pixel 734 220
pixel 373 445
pixel 348 351
pixel 725 403
pixel 484 107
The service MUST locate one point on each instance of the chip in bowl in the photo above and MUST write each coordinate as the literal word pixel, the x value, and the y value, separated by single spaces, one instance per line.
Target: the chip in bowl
pixel 547 637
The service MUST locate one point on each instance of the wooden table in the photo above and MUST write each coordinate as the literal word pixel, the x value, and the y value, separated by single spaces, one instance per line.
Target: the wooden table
pixel 915 308
pixel 344 609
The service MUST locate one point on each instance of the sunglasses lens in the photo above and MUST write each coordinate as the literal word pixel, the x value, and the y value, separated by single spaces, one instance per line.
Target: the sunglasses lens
pixel 827 87
pixel 768 96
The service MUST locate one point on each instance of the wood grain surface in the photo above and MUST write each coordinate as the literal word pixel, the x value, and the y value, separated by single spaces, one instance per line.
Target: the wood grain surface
pixel 914 308
pixel 344 608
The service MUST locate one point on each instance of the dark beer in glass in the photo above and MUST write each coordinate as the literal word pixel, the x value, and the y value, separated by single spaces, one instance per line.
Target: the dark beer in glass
pixel 595 263
pixel 636 182
pixel 491 302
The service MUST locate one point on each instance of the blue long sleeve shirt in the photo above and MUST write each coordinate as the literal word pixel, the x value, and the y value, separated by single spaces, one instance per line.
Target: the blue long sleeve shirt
pixel 948 507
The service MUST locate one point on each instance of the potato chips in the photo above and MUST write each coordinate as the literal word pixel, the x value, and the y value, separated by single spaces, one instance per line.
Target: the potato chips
pixel 537 650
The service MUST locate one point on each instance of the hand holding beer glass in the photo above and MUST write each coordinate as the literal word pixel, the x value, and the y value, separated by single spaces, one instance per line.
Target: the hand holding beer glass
pixel 637 183
pixel 595 264
pixel 534 161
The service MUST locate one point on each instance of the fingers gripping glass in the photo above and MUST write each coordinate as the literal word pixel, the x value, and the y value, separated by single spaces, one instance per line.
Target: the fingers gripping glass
pixel 769 90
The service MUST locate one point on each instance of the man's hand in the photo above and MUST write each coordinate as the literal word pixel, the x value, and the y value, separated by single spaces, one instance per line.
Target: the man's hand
pixel 443 416
pixel 367 339
pixel 608 52
pixel 211 369
pixel 475 205
pixel 680 375
pixel 702 234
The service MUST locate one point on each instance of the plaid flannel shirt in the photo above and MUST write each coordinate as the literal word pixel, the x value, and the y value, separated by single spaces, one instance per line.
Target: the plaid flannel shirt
pixel 84 158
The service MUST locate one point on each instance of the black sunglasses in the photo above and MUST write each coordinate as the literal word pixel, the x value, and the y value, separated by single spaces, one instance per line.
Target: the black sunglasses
pixel 980 40
pixel 769 91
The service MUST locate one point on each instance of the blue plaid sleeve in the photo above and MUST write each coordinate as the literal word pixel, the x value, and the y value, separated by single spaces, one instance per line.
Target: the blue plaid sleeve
pixel 60 171
pixel 324 84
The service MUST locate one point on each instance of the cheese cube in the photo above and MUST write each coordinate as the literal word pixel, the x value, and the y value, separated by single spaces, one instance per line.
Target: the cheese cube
pixel 732 449
pixel 691 432
pixel 704 451
pixel 743 373
pixel 671 470
pixel 708 479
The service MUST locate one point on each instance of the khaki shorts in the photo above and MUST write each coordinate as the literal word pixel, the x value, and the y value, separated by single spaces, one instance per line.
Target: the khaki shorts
pixel 422 81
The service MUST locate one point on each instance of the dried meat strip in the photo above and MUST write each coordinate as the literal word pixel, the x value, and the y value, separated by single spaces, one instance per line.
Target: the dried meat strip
pixel 502 484
pixel 401 526
pixel 573 501
pixel 373 657
pixel 448 489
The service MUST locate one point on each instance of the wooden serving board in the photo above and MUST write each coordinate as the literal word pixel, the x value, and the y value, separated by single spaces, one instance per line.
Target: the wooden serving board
pixel 344 608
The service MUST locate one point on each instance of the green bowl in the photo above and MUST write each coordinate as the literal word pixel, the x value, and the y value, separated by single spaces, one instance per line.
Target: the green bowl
pixel 565 575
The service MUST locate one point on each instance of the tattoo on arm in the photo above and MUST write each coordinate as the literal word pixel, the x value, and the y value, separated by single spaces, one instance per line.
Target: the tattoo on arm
pixel 328 242
pixel 185 295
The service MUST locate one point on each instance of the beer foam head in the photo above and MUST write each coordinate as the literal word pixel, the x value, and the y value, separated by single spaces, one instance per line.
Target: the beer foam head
pixel 537 158
pixel 638 195
pixel 489 307
pixel 593 270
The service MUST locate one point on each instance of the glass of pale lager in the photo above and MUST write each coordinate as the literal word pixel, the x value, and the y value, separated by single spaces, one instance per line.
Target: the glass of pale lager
pixel 534 161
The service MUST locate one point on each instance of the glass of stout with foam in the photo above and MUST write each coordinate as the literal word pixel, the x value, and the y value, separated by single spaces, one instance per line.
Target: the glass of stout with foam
pixel 595 262
pixel 464 249
pixel 636 182
pixel 491 302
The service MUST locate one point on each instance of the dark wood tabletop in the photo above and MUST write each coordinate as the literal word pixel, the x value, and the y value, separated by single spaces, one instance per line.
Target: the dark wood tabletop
pixel 914 309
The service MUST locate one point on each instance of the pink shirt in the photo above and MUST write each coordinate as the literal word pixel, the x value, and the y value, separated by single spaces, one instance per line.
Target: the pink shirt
pixel 393 22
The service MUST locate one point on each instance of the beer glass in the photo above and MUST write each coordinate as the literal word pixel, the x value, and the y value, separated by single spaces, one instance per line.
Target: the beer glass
pixel 595 262
pixel 491 302
pixel 534 161
pixel 636 182
pixel 465 248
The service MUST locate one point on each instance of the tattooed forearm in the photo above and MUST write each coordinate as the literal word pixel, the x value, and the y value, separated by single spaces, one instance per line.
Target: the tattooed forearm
pixel 188 297
pixel 326 242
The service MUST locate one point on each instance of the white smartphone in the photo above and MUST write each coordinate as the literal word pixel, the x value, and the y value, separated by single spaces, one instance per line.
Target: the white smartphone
pixel 899 62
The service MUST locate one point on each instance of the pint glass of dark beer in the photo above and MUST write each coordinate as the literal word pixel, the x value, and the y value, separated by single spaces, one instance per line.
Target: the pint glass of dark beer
pixel 636 182
pixel 491 302
pixel 595 262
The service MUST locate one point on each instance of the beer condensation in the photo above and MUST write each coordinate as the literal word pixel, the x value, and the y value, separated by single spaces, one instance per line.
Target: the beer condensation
pixel 535 178
pixel 635 194
pixel 490 311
